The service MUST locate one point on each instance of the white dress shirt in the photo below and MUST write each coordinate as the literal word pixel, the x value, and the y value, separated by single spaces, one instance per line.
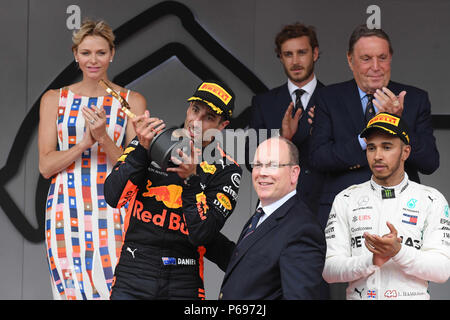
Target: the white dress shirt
pixel 269 209
pixel 309 90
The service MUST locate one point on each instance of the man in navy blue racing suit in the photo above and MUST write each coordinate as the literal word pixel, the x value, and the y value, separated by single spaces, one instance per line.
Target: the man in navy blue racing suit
pixel 172 215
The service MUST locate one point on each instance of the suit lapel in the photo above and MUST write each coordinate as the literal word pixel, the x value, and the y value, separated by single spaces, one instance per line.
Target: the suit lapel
pixel 245 228
pixel 352 102
pixel 311 101
pixel 282 101
pixel 303 126
pixel 262 230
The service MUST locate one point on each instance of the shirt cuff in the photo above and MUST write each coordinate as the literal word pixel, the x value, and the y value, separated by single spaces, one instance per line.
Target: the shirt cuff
pixel 363 143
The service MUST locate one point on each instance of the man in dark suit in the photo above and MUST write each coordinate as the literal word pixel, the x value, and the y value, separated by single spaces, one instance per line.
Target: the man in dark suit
pixel 290 107
pixel 343 109
pixel 281 251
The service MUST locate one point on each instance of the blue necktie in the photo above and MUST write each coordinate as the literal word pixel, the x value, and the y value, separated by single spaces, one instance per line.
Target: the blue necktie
pixel 252 226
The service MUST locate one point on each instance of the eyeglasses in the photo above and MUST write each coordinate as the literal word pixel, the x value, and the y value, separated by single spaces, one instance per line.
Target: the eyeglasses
pixel 271 165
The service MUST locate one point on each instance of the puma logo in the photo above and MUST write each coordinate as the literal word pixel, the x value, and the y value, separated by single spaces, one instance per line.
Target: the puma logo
pixel 359 292
pixel 131 251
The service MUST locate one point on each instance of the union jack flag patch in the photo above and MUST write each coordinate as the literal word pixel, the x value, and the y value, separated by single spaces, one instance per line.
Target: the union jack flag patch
pixel 371 294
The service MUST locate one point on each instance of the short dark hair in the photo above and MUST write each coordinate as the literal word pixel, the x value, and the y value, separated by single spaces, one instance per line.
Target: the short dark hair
pixel 295 30
pixel 381 131
pixel 363 31
pixel 222 117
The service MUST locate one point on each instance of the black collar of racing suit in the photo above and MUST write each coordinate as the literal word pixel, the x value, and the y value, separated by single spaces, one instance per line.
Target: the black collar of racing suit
pixel 389 192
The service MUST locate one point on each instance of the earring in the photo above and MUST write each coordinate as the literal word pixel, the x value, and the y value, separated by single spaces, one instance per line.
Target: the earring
pixel 76 60
pixel 110 60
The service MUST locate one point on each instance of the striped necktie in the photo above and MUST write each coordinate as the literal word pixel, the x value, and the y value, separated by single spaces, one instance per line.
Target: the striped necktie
pixel 252 226
pixel 298 101
pixel 370 110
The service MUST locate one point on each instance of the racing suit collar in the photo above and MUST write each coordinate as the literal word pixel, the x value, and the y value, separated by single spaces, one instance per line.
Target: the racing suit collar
pixel 389 192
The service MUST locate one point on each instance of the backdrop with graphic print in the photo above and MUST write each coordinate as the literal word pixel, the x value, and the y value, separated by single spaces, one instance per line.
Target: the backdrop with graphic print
pixel 164 50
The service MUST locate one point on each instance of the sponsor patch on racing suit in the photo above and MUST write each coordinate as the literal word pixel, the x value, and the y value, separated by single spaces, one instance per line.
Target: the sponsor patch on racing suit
pixel 419 214
pixel 169 221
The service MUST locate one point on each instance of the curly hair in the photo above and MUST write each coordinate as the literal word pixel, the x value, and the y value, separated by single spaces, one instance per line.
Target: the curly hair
pixel 295 30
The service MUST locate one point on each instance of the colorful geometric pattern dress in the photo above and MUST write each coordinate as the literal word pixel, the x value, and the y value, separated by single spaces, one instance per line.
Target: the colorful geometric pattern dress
pixel 83 234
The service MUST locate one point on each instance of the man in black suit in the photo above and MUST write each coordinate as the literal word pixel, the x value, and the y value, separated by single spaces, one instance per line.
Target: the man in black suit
pixel 281 251
pixel 343 109
pixel 290 107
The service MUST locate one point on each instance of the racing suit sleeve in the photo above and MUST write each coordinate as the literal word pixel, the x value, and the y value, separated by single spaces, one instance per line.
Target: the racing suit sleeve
pixel 340 265
pixel 127 174
pixel 220 250
pixel 206 211
pixel 432 261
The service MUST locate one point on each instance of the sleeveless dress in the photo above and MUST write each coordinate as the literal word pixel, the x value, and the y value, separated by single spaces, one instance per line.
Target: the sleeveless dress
pixel 83 234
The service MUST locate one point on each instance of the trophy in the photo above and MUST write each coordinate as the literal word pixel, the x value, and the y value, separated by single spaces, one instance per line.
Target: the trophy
pixel 164 144
pixel 123 102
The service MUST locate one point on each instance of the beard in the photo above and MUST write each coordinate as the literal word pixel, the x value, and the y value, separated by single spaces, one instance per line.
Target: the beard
pixel 383 178
pixel 307 72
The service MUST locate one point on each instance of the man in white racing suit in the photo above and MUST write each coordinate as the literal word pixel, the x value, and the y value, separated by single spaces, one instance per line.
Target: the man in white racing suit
pixel 389 236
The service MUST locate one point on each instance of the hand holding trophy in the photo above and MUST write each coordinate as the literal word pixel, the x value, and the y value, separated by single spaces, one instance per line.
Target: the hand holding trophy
pixel 164 142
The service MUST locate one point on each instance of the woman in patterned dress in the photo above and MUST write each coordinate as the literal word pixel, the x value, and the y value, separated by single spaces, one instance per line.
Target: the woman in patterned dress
pixel 81 134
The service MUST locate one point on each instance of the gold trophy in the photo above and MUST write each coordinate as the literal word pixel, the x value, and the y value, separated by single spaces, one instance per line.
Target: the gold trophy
pixel 165 141
pixel 123 102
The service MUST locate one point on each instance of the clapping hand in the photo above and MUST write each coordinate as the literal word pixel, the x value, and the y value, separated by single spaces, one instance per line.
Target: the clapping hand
pixel 147 128
pixel 289 124
pixel 386 101
pixel 385 247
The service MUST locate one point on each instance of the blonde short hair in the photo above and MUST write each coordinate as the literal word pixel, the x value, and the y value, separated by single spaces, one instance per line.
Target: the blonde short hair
pixel 93 28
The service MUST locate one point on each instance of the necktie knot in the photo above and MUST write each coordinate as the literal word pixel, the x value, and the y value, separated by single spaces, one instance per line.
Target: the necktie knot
pixel 255 219
pixel 299 92
pixel 259 213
